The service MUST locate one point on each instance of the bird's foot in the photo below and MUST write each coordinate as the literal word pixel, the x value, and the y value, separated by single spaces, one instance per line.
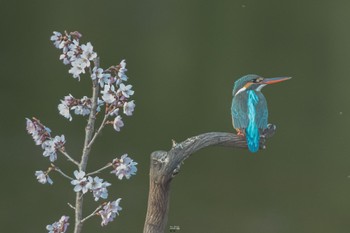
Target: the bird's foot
pixel 266 134
pixel 269 131
pixel 240 133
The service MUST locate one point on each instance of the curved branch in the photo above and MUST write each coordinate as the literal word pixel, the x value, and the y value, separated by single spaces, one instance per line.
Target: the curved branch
pixel 166 164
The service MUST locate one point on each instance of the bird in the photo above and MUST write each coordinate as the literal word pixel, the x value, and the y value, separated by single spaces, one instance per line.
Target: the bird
pixel 249 107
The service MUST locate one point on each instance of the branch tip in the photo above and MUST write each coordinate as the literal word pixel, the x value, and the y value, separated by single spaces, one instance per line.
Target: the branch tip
pixel 174 143
pixel 71 206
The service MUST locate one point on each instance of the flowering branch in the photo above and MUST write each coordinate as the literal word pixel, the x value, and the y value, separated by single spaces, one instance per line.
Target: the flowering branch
pixel 114 97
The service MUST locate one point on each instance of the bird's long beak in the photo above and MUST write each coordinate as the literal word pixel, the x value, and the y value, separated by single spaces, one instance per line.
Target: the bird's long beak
pixel 275 80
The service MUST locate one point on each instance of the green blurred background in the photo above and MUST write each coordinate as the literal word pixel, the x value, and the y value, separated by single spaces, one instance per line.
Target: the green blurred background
pixel 183 57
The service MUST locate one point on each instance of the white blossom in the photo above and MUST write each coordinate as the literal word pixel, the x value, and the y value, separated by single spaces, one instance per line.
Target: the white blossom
pixel 56 38
pixel 118 123
pixel 43 177
pixel 110 211
pixel 94 183
pixel 73 51
pixel 82 109
pixel 64 110
pixel 78 56
pixel 97 73
pixel 101 192
pixel 80 106
pixel 41 136
pixel 108 94
pixel 98 187
pixel 60 226
pixel 126 90
pixel 80 182
pixel 76 71
pixel 64 58
pixel 88 52
pixel 49 150
pixel 122 70
pixel 39 132
pixel 31 129
pixel 124 167
pixel 78 67
pixel 99 104
pixel 51 146
pixel 104 80
pixel 115 112
pixel 59 141
pixel 129 108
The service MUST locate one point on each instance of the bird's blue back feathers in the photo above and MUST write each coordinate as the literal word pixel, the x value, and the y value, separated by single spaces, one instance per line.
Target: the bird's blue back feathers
pixel 252 131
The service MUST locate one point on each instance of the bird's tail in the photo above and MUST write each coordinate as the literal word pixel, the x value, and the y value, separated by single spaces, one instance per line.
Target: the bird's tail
pixel 252 131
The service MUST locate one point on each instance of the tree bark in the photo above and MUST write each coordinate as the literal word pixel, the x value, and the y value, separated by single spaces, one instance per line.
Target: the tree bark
pixel 166 164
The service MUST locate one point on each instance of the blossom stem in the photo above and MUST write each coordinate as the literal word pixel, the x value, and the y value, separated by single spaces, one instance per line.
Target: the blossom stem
pixel 99 170
pixel 61 172
pixel 92 214
pixel 99 130
pixel 71 206
pixel 68 156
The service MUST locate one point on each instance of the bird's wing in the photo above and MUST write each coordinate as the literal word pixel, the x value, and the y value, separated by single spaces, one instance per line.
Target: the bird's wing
pixel 239 111
pixel 262 117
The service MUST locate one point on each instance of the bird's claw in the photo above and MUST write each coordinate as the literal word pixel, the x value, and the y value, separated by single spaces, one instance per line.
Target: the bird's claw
pixel 240 133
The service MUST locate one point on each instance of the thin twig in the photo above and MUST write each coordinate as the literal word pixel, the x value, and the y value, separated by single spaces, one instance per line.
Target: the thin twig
pixel 92 214
pixel 98 131
pixel 71 206
pixel 68 156
pixel 101 169
pixel 61 172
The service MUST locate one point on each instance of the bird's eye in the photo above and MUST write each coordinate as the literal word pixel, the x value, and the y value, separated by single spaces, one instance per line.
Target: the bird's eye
pixel 258 80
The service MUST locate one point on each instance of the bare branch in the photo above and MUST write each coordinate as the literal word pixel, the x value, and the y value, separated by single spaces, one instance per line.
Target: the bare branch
pixel 166 164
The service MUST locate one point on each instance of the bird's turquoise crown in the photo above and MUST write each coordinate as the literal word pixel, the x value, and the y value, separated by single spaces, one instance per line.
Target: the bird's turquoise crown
pixel 242 81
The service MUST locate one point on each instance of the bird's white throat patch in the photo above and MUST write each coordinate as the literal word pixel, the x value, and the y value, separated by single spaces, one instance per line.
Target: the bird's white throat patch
pixel 241 90
pixel 260 87
pixel 244 88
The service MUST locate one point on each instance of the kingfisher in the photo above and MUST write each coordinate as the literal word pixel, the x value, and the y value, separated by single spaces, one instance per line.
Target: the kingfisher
pixel 249 107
